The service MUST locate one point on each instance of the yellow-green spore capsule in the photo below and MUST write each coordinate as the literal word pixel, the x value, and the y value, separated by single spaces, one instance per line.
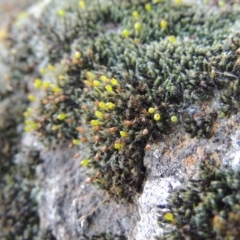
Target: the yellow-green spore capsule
pixel 55 127
pixel 102 105
pixel 178 2
pixel 118 145
pixel 61 116
pixel 61 13
pixel 157 116
pixel 137 26
pixel 135 14
pixel 110 105
pixel 85 162
pixel 169 217
pixel 109 88
pixel 174 119
pixel 26 114
pixel 163 24
pixel 38 83
pixel 99 114
pixel 151 110
pixel 30 126
pixel 31 97
pixel 82 4
pixel 56 89
pixel 125 33
pixel 46 85
pixel 96 83
pixel 104 78
pixel 90 75
pixel 61 77
pixel 43 71
pixel 148 7
pixel 77 55
pixel 75 141
pixel 221 3
pixel 172 39
pixel 95 122
pixel 124 134
pixel 114 81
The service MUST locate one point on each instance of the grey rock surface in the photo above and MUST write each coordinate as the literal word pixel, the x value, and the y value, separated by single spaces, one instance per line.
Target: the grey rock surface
pixel 170 163
pixel 71 207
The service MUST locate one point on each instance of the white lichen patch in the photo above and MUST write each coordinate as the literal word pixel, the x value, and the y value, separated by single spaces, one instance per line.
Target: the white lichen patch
pixel 155 193
pixel 232 157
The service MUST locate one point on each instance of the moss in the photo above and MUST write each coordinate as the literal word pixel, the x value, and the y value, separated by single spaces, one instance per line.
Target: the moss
pixel 18 203
pixel 206 208
pixel 19 214
pixel 19 206
pixel 101 67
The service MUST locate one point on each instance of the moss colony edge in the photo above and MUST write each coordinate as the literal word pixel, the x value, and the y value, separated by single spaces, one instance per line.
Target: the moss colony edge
pixel 205 208
pixel 117 76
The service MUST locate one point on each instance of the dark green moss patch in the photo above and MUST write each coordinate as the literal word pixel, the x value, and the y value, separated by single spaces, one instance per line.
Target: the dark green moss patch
pixel 206 208
pixel 18 198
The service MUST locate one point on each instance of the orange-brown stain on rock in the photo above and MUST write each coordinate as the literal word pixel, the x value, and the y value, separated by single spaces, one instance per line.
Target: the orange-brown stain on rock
pixel 189 161
pixel 200 153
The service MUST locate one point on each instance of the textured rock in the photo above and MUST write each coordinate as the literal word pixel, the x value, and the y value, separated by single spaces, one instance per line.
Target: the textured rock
pixel 66 198
pixel 170 163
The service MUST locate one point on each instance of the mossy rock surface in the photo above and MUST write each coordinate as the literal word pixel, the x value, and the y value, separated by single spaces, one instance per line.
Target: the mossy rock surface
pixel 119 76
pixel 115 78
